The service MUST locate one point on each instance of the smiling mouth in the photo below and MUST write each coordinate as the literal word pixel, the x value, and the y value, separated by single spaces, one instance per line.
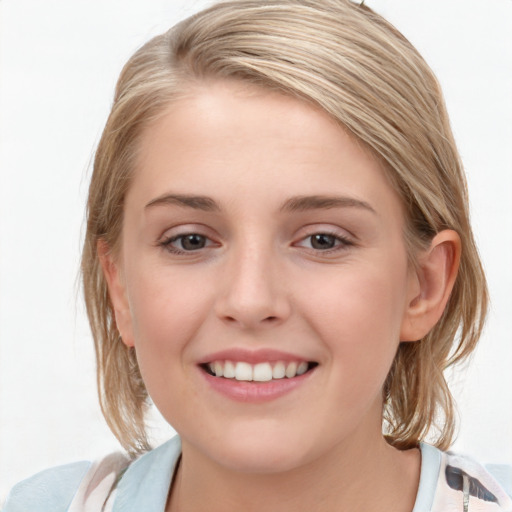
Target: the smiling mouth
pixel 260 372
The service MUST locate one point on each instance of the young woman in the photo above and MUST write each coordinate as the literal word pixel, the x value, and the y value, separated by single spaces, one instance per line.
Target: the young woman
pixel 278 253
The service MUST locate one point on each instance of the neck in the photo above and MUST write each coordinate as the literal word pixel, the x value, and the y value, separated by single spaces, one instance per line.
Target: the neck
pixel 358 475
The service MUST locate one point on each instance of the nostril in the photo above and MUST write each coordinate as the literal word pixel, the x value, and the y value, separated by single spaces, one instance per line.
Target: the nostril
pixel 265 320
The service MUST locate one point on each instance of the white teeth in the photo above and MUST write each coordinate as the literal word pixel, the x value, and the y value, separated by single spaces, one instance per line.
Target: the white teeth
pixel 302 368
pixel 218 369
pixel 229 370
pixel 261 372
pixel 291 370
pixel 279 371
pixel 243 371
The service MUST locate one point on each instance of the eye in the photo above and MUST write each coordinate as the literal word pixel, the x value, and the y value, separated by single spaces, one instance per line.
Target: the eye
pixel 187 242
pixel 325 242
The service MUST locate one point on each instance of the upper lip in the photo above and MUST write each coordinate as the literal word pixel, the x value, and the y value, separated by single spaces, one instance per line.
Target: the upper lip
pixel 263 355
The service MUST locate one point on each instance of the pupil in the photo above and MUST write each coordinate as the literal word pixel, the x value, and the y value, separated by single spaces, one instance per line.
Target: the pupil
pixel 323 241
pixel 192 242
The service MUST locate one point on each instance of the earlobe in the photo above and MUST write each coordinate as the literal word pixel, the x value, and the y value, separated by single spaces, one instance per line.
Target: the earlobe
pixel 117 292
pixel 435 277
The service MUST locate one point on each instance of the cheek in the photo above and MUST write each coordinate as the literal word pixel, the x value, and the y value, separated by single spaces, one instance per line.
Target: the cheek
pixel 358 316
pixel 166 310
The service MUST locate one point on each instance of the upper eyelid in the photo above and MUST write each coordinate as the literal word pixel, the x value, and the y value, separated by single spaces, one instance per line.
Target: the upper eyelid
pixel 186 229
pixel 327 229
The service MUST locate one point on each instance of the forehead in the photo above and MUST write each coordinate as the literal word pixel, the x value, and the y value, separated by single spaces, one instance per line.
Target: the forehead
pixel 227 138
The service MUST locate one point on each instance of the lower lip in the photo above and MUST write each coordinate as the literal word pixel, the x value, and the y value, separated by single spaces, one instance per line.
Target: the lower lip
pixel 255 392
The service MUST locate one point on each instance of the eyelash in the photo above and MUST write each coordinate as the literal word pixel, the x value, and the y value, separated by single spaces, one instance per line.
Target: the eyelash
pixel 341 242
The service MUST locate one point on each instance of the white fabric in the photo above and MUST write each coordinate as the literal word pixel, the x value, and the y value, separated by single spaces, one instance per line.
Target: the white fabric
pixel 466 486
pixel 98 488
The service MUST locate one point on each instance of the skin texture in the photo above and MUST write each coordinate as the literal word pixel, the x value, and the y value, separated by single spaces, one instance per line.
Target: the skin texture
pixel 259 280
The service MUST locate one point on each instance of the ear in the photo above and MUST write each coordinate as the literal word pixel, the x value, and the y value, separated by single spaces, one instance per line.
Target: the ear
pixel 117 292
pixel 433 282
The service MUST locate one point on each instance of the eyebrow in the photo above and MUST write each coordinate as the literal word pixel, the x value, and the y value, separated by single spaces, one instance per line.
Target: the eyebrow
pixel 294 204
pixel 305 203
pixel 203 203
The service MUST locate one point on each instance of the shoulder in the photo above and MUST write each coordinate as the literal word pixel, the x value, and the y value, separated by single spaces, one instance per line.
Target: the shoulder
pixel 459 482
pixel 112 481
pixel 503 474
pixel 50 490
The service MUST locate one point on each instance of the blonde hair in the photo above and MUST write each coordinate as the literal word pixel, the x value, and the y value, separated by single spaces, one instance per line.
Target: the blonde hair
pixel 352 63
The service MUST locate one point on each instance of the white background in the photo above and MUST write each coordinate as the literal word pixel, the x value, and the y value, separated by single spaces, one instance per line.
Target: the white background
pixel 59 62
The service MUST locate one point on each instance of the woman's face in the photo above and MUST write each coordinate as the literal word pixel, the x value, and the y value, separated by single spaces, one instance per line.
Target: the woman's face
pixel 260 240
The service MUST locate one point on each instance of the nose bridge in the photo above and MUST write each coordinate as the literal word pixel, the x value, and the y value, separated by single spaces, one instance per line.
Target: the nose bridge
pixel 253 293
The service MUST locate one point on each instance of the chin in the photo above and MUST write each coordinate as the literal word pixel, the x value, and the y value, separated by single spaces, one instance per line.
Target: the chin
pixel 260 451
pixel 257 459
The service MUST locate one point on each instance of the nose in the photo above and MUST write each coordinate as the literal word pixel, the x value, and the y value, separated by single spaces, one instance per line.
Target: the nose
pixel 253 292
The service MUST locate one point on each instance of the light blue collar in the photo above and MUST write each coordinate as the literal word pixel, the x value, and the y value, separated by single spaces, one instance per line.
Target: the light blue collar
pixel 429 475
pixel 146 483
